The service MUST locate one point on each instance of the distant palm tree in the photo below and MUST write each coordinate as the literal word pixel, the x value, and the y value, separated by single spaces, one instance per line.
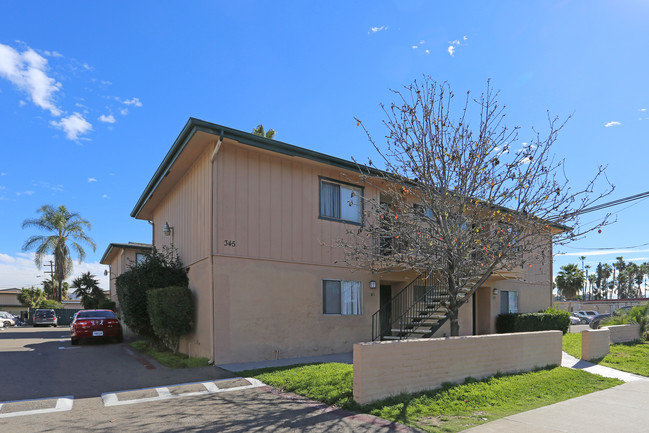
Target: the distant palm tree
pixel 570 280
pixel 64 226
pixel 259 130
pixel 87 288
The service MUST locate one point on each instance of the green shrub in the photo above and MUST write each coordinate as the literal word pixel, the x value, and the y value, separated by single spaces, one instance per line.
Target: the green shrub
pixel 527 322
pixel 171 314
pixel 107 304
pixel 50 303
pixel 157 270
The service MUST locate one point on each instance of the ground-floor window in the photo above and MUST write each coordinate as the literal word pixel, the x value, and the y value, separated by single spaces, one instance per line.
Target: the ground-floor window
pixel 341 297
pixel 508 301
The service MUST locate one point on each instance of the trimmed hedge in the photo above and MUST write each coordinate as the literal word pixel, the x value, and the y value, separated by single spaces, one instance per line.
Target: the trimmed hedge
pixel 171 314
pixel 159 269
pixel 549 319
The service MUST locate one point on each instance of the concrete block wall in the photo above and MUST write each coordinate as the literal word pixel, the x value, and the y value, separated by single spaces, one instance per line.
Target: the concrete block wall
pixel 386 368
pixel 595 343
pixel 624 333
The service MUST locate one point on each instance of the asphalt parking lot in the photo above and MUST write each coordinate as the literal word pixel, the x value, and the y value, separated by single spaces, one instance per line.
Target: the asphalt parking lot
pixel 41 363
pixel 49 385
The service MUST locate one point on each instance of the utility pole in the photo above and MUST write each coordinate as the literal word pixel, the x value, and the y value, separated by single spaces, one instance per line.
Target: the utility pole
pixel 51 272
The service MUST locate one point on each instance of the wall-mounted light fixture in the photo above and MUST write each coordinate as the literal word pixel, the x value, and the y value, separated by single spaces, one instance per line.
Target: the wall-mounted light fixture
pixel 495 291
pixel 167 230
pixel 372 284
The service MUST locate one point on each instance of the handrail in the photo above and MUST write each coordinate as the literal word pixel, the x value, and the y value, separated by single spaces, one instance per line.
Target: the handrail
pixel 420 298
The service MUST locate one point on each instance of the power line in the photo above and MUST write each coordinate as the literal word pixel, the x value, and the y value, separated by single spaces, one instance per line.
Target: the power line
pixel 606 248
pixel 613 203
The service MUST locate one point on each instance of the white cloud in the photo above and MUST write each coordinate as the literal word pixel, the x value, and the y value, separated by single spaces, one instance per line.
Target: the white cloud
pixel 378 29
pixel 134 101
pixel 455 42
pixel 27 71
pixel 28 192
pixel 19 270
pixel 614 123
pixel 107 119
pixel 451 50
pixel 92 179
pixel 414 47
pixel 427 51
pixel 422 42
pixel 105 196
pixel 643 109
pixel 603 252
pixel 464 38
pixel 22 103
pixel 74 125
pixel 123 111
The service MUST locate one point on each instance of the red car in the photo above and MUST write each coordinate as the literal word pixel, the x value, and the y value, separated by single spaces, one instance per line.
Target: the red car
pixel 95 324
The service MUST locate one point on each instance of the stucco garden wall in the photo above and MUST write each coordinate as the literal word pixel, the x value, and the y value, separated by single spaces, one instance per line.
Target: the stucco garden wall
pixel 382 369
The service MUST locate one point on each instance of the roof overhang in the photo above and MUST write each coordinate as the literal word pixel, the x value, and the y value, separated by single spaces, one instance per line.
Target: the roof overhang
pixel 114 249
pixel 195 138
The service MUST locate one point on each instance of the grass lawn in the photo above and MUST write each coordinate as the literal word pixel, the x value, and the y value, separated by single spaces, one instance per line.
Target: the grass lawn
pixel 168 359
pixel 630 357
pixel 449 409
pixel 572 344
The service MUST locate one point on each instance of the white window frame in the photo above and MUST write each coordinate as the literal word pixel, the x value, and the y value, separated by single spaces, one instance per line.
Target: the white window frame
pixel 350 196
pixel 351 298
pixel 512 300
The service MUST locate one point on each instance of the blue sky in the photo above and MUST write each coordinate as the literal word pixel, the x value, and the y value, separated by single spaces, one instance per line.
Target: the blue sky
pixel 92 95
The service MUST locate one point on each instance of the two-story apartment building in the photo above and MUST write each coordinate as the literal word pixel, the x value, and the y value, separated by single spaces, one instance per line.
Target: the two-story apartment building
pixel 255 219
pixel 120 257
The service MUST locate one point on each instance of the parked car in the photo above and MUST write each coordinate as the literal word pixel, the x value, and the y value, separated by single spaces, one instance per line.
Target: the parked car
pixel 587 314
pixel 596 323
pixel 95 324
pixel 575 320
pixel 7 319
pixel 45 317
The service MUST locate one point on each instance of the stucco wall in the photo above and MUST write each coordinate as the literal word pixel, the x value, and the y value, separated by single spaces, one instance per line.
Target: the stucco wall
pixel 389 368
pixel 267 310
pixel 623 333
pixel 595 343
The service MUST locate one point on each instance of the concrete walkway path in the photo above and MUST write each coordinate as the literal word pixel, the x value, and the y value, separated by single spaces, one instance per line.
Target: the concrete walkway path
pixel 622 408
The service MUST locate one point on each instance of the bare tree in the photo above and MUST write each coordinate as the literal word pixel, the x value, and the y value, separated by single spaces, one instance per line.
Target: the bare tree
pixel 459 201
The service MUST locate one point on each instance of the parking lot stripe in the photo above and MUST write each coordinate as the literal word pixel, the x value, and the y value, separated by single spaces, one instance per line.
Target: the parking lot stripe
pixel 112 399
pixel 62 404
pixel 163 392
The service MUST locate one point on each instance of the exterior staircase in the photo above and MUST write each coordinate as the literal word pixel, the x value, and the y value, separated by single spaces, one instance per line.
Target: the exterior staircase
pixel 418 310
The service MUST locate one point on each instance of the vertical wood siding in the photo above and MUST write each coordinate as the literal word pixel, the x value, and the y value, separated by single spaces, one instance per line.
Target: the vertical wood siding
pixel 268 204
pixel 186 209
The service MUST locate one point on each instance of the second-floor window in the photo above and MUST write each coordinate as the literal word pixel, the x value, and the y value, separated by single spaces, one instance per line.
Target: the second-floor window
pixel 341 201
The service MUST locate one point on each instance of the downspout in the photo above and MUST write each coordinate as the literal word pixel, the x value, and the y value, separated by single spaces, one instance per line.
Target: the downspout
pixel 152 232
pixel 215 151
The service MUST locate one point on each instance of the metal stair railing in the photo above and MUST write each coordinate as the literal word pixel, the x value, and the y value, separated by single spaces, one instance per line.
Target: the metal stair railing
pixel 415 303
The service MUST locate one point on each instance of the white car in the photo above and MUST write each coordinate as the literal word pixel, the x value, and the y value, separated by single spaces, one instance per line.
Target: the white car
pixel 574 319
pixel 7 319
pixel 587 315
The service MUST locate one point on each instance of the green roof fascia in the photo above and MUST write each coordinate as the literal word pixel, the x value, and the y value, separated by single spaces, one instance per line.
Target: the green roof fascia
pixel 124 246
pixel 196 125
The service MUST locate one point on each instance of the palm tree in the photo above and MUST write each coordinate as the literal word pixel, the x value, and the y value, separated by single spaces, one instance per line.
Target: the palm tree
pixel 570 280
pixel 259 130
pixel 64 226
pixel 87 288
pixel 582 258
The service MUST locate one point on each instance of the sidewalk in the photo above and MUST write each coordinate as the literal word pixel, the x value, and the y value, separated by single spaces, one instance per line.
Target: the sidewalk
pixel 619 409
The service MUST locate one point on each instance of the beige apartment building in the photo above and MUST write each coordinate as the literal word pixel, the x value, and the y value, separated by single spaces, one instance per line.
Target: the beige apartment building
pixel 120 258
pixel 254 220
